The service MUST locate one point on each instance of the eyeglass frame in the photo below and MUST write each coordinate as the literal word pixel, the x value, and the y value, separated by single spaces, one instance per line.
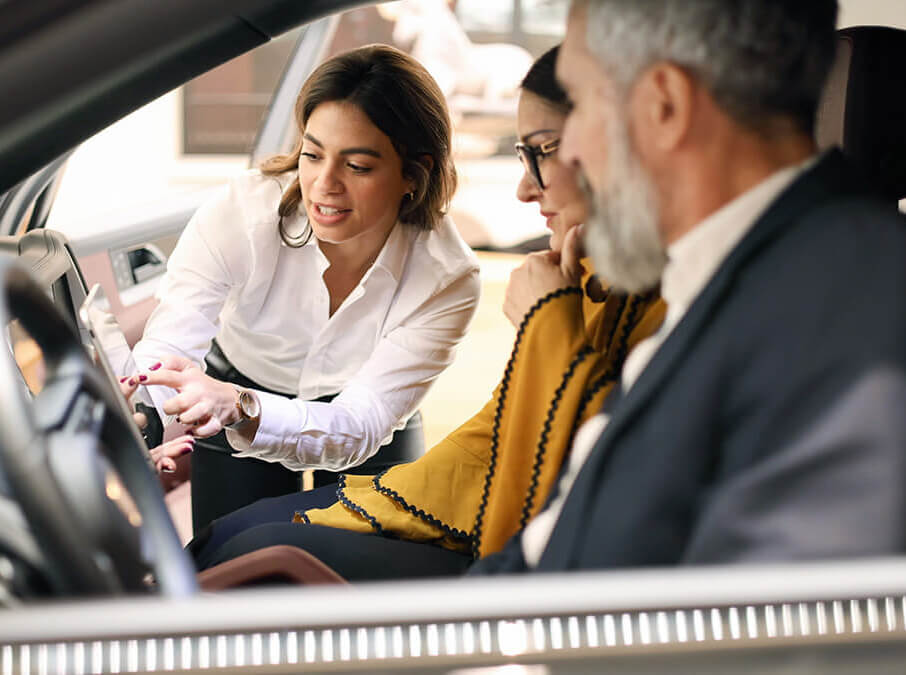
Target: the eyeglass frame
pixel 529 154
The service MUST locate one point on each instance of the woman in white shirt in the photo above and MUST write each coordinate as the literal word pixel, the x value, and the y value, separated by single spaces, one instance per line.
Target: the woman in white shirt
pixel 326 291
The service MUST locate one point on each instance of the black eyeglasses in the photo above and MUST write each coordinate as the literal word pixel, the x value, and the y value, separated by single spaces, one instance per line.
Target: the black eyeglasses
pixel 529 155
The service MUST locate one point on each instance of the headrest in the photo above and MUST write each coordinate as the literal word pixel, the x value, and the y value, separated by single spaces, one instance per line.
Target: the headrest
pixel 863 108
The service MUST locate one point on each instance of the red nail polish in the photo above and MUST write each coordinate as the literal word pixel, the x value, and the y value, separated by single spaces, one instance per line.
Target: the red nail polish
pixel 123 379
pixel 142 378
pixel 185 451
pixel 155 366
pixel 132 381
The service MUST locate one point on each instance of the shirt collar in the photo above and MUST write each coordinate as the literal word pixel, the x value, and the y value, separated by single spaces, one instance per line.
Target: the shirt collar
pixel 693 259
pixel 310 247
pixel 391 258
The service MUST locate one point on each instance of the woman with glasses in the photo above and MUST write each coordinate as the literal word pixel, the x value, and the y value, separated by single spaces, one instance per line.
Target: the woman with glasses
pixel 482 483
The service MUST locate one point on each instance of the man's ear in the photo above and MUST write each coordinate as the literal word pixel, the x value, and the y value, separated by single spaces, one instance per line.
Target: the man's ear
pixel 663 101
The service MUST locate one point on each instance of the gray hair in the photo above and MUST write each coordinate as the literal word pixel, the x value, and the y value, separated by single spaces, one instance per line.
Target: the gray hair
pixel 760 59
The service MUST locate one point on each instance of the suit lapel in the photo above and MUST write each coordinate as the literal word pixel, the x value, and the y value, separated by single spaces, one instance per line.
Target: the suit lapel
pixel 829 176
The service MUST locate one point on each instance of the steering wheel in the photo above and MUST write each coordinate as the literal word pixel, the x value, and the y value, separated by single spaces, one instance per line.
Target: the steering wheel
pixel 75 465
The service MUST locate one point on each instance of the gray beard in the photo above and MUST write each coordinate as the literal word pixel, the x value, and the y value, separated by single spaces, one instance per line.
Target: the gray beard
pixel 621 231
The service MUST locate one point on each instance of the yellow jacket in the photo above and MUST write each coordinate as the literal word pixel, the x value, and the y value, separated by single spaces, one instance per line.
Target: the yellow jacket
pixel 485 480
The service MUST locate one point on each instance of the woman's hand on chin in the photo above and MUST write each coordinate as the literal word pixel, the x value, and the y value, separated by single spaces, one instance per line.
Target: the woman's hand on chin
pixel 203 403
pixel 571 253
pixel 541 274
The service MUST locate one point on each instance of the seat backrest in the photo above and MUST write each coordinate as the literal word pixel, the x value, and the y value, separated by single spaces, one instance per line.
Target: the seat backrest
pixel 46 253
pixel 863 109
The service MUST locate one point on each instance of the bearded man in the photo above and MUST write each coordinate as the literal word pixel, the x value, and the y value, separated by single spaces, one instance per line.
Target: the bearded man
pixel 765 419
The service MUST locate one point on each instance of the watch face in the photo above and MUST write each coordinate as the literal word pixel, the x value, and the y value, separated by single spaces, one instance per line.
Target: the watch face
pixel 249 405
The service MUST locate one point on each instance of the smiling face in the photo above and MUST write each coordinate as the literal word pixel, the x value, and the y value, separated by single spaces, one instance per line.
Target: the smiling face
pixel 351 176
pixel 561 201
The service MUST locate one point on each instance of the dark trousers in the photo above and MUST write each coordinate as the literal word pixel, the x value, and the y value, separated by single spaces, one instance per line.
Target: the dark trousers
pixel 222 483
pixel 355 556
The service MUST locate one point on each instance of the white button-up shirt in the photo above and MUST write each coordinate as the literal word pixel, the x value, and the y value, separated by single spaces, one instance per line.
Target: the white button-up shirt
pixel 231 277
pixel 692 261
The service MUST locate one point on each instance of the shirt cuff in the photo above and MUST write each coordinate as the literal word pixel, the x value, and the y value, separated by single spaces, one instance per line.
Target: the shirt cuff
pixel 281 418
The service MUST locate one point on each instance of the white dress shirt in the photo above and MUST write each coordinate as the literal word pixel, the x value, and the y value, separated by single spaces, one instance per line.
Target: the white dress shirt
pixel 692 261
pixel 231 277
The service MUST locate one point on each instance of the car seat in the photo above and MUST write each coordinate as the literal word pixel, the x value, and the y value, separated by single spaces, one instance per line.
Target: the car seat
pixel 863 109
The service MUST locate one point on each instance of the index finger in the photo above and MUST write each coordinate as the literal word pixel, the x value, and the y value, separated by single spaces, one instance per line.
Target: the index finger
pixel 176 362
pixel 128 385
pixel 169 378
pixel 570 254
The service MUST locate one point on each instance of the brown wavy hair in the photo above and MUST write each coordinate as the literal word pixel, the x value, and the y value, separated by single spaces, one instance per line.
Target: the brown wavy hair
pixel 401 99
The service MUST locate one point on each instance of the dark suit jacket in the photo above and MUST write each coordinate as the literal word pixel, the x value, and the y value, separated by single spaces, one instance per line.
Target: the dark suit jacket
pixel 771 423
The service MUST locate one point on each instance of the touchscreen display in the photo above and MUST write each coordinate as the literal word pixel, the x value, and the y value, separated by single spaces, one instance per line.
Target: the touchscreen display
pixel 111 351
pixel 108 339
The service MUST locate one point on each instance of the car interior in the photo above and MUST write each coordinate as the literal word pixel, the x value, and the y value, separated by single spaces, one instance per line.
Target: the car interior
pixel 93 577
